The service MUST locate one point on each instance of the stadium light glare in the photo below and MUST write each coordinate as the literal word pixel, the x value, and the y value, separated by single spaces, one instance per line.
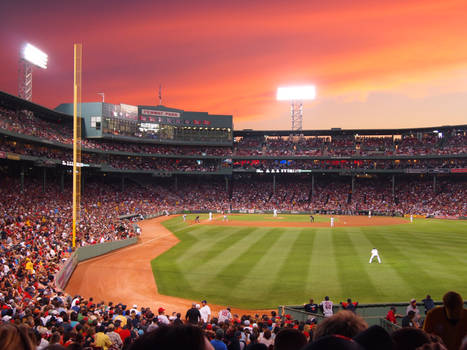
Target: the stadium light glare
pixel 35 56
pixel 296 93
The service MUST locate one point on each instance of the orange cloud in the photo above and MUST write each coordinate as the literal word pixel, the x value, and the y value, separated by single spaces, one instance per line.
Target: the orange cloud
pixel 229 58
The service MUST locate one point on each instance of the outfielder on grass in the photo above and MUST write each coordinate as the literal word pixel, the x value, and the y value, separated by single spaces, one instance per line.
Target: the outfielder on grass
pixel 374 254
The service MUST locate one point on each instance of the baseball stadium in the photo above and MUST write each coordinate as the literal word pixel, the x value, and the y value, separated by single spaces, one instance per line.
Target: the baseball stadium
pixel 143 225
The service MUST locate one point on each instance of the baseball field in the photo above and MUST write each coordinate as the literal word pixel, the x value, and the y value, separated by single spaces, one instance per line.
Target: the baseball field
pixel 261 261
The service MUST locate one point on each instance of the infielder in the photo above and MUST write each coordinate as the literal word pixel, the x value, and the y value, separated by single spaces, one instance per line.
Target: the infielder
pixel 184 217
pixel 411 218
pixel 332 221
pixel 225 218
pixel 374 254
pixel 275 212
pixel 369 214
pixel 210 216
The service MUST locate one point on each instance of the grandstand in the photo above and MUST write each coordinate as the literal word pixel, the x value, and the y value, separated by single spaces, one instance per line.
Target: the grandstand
pixel 140 161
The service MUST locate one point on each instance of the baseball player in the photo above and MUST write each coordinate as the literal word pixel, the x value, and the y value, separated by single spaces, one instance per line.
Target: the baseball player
pixel 411 218
pixel 275 212
pixel 374 254
pixel 184 217
pixel 369 214
pixel 210 216
pixel 332 221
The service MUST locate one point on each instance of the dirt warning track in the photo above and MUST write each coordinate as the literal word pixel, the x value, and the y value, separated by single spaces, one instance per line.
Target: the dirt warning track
pixel 126 276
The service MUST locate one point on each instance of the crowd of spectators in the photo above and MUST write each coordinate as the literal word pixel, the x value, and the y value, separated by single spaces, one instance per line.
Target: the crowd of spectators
pixel 345 145
pixel 351 146
pixel 209 165
pixel 35 240
pixel 411 196
pixel 365 164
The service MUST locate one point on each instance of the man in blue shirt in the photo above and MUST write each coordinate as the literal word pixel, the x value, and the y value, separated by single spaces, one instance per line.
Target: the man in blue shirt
pixel 217 343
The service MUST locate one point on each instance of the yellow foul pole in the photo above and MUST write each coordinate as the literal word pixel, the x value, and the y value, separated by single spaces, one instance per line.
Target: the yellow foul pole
pixel 76 138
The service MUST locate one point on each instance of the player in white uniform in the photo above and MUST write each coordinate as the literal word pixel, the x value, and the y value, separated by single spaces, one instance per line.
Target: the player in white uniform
pixel 374 254
pixel 225 218
pixel 326 305
pixel 332 221
pixel 275 212
pixel 210 216
pixel 225 315
pixel 411 218
pixel 369 214
pixel 184 217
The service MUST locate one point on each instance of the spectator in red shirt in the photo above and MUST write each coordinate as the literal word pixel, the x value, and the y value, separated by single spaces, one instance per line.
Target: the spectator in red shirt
pixel 392 316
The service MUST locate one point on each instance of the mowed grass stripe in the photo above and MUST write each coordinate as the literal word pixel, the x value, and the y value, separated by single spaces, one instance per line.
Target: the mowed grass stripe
pixel 442 243
pixel 323 275
pixel 435 259
pixel 202 274
pixel 401 259
pixel 240 269
pixel 266 268
pixel 386 280
pixel 351 269
pixel 293 273
pixel 213 244
pixel 424 257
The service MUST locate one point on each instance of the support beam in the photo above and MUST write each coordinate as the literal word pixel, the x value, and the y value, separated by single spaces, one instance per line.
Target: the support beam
pixel 62 181
pixel 44 178
pixel 312 185
pixel 274 185
pixel 21 174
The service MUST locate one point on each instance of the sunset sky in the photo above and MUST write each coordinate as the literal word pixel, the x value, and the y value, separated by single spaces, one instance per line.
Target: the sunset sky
pixel 376 64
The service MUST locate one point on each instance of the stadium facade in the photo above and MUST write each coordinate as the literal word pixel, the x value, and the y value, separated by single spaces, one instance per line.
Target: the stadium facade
pixel 145 144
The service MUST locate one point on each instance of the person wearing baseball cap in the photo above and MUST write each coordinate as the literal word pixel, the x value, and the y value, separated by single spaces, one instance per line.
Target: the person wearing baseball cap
pixel 413 307
pixel 205 312
pixel 162 318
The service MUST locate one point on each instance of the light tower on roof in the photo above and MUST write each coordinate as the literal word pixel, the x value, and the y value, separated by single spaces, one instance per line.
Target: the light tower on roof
pixel 296 95
pixel 30 57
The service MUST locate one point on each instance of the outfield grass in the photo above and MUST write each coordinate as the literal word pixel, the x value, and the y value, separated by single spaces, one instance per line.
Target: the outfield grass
pixel 260 267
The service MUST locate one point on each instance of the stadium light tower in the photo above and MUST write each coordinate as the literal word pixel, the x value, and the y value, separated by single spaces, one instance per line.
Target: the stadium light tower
pixel 296 95
pixel 30 57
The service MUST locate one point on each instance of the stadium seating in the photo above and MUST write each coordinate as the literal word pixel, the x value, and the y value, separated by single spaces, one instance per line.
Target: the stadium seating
pixel 410 174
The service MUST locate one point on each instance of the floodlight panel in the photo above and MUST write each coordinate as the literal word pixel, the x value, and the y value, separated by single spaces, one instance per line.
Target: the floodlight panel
pixel 35 56
pixel 296 93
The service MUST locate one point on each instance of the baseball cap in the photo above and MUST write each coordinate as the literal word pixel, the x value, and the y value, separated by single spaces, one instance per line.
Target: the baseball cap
pixel 161 309
pixel 135 306
pixel 204 302
pixel 413 300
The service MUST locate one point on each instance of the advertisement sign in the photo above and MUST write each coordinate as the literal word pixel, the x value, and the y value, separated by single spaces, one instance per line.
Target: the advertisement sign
pixel 156 113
